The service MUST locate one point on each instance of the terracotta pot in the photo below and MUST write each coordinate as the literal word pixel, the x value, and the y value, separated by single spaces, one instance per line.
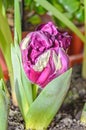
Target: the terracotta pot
pixel 76 59
pixel 76 48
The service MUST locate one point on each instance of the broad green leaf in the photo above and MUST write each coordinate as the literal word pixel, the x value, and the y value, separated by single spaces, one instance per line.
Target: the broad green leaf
pixel 55 12
pixel 23 87
pixel 4 106
pixel 70 6
pixel 17 21
pixel 46 105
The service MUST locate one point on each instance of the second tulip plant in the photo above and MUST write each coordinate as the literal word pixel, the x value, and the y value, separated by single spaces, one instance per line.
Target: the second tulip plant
pixel 41 62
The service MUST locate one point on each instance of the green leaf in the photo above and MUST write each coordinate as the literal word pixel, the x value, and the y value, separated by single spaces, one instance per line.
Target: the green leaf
pixel 46 105
pixel 70 6
pixel 40 10
pixel 5 30
pixel 34 90
pixel 23 87
pixel 2 8
pixel 27 2
pixel 4 106
pixel 1 73
pixel 61 17
pixel 35 19
pixel 17 21
pixel 5 40
pixel 57 5
pixel 80 14
pixel 5 45
pixel 83 116
pixel 8 3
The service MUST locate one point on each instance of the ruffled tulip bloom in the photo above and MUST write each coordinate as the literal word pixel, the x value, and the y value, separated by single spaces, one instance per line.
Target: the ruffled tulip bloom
pixel 44 54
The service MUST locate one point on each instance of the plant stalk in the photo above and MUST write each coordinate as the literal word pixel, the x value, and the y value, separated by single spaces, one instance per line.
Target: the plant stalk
pixel 84 53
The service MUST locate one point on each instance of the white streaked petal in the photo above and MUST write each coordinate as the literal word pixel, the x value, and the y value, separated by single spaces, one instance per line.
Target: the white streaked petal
pixel 42 61
pixel 25 43
pixel 57 61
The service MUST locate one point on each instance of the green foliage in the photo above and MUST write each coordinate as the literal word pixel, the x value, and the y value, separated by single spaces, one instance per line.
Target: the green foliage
pixel 8 3
pixel 23 87
pixel 80 14
pixel 56 13
pixel 70 6
pixel 72 10
pixel 45 106
pixel 27 2
pixel 1 73
pixel 40 10
pixel 17 22
pixel 4 106
pixel 35 19
pixel 5 41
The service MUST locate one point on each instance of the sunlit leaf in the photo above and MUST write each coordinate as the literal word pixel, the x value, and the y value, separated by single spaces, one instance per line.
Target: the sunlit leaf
pixel 4 106
pixel 17 21
pixel 46 105
pixel 23 87
pixel 70 6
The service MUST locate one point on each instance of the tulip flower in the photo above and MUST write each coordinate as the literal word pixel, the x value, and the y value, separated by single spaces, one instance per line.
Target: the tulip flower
pixel 44 54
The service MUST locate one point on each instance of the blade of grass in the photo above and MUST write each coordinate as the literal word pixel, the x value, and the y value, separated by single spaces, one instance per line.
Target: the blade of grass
pixel 17 22
pixel 84 54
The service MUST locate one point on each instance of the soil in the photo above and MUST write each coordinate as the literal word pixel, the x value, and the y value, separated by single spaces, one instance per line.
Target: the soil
pixel 68 117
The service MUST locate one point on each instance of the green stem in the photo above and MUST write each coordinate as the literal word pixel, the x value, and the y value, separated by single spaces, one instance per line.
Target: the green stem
pixel 84 54
pixel 61 17
pixel 83 116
